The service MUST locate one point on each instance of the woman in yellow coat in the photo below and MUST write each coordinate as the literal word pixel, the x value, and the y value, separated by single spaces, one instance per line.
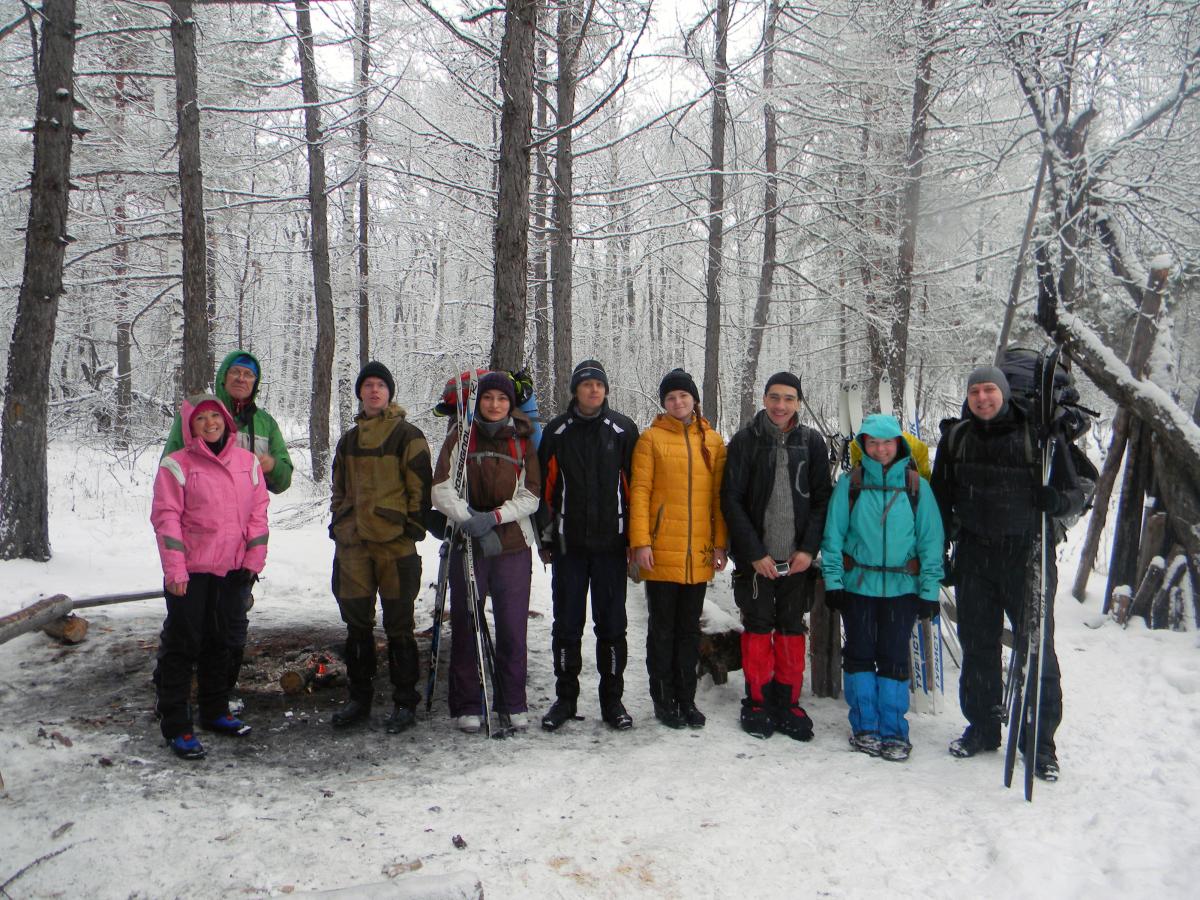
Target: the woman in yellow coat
pixel 678 540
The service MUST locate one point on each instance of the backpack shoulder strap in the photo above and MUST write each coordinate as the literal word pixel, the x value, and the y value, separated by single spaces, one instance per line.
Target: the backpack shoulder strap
pixel 856 485
pixel 912 484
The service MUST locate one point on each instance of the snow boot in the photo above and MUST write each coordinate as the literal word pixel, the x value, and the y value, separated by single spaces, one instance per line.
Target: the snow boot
pixel 894 750
pixel 758 665
pixel 974 741
pixel 862 696
pixel 692 717
pixel 568 663
pixel 892 696
pixel 401 719
pixel 352 713
pixel 756 719
pixel 185 746
pixel 615 716
pixel 360 672
pixel 1046 766
pixel 668 713
pixel 787 714
pixel 228 725
pixel 866 742
pixel 611 657
pixel 404 670
pixel 561 712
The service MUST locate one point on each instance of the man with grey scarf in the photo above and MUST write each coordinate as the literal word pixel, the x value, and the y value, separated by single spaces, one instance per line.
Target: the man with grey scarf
pixel 774 496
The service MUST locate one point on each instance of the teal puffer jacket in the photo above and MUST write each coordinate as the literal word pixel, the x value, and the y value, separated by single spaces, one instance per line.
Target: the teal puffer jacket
pixel 882 533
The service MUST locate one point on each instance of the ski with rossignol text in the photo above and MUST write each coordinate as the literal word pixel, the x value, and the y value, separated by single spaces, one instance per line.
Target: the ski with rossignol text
pixel 462 417
pixel 1026 674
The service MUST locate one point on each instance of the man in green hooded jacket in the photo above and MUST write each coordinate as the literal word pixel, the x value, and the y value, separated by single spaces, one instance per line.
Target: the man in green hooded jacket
pixel 236 386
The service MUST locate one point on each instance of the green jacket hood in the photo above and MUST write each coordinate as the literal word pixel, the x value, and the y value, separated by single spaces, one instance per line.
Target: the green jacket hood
pixel 223 368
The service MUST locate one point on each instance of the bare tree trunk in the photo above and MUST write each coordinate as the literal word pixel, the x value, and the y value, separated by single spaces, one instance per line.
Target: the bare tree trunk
pixel 322 367
pixel 512 212
pixel 766 276
pixel 210 295
pixel 897 356
pixel 24 510
pixel 364 82
pixel 196 372
pixel 561 261
pixel 543 374
pixel 716 222
pixel 1014 288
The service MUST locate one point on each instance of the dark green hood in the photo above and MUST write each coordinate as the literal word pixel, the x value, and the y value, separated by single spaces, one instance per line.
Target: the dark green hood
pixel 219 386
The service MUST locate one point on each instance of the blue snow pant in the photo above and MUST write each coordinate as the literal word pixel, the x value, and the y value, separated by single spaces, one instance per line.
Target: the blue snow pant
pixel 875 662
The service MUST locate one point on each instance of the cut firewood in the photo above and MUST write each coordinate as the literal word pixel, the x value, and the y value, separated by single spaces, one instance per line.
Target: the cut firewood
pixel 70 629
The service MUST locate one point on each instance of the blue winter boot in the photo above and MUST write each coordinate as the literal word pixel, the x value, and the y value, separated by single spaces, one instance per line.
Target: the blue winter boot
pixel 860 692
pixel 185 746
pixel 229 725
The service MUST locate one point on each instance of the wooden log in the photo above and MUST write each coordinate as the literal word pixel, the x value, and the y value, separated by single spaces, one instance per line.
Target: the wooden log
pixel 33 617
pixel 825 644
pixel 1140 605
pixel 1127 534
pixel 1153 541
pixel 70 629
pixel 108 599
pixel 1099 516
pixel 1160 606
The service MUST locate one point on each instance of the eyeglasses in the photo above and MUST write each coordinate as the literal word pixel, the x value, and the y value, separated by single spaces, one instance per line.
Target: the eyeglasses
pixel 237 373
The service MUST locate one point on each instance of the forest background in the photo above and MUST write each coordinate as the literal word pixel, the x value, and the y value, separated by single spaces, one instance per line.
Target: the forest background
pixel 844 189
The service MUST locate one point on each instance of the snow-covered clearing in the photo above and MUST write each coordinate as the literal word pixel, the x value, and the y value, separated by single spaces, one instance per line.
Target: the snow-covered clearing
pixel 585 812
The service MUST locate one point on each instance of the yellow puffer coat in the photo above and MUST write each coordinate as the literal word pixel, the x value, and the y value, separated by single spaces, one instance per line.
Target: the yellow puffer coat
pixel 675 501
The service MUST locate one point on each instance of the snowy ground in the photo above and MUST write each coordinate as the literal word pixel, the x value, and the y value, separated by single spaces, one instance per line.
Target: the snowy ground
pixel 585 812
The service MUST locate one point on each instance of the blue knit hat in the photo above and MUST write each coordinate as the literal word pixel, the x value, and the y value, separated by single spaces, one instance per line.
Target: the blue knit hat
pixel 246 361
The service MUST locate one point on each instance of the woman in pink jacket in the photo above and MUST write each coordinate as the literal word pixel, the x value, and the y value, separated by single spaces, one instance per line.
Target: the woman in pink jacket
pixel 210 521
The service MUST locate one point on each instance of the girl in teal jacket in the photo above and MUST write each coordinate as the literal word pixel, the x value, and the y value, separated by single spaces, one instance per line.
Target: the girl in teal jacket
pixel 881 557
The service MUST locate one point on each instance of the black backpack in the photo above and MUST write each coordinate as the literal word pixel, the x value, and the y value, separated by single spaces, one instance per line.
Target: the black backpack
pixel 1018 365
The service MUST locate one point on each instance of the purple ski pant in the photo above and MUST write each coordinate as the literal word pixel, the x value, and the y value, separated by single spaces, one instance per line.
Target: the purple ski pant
pixel 506 578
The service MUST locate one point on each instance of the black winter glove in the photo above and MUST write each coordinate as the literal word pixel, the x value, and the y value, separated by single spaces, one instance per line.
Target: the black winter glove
pixel 244 577
pixel 834 598
pixel 479 524
pixel 947 571
pixel 927 610
pixel 1050 500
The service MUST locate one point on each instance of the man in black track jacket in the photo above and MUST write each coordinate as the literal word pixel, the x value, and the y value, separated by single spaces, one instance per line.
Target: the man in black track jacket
pixel 774 496
pixel 586 454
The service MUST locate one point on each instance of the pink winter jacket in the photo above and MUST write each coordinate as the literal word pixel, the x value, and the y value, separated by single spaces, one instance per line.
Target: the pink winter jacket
pixel 209 512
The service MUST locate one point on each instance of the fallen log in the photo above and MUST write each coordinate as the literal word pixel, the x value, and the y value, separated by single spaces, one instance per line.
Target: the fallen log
pixel 34 617
pixel 70 629
pixel 42 613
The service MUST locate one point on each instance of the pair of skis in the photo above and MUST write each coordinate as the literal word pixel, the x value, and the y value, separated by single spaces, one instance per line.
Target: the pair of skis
pixel 1023 689
pixel 485 652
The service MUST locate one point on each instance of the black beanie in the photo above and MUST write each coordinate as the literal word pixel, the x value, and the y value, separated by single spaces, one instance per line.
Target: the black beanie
pixel 589 368
pixel 497 381
pixel 375 369
pixel 784 378
pixel 677 380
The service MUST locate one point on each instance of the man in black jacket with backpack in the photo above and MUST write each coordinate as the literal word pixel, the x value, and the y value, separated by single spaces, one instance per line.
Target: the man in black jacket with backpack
pixel 774 495
pixel 988 483
pixel 586 455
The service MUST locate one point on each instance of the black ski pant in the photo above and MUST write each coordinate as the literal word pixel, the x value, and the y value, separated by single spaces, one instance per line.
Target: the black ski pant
pixel 878 634
pixel 194 639
pixel 575 574
pixel 773 604
pixel 360 571
pixel 236 629
pixel 673 640
pixel 992 580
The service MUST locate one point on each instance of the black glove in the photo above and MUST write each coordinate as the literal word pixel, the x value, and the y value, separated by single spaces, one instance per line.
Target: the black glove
pixel 1050 500
pixel 479 524
pixel 834 598
pixel 947 571
pixel 926 609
